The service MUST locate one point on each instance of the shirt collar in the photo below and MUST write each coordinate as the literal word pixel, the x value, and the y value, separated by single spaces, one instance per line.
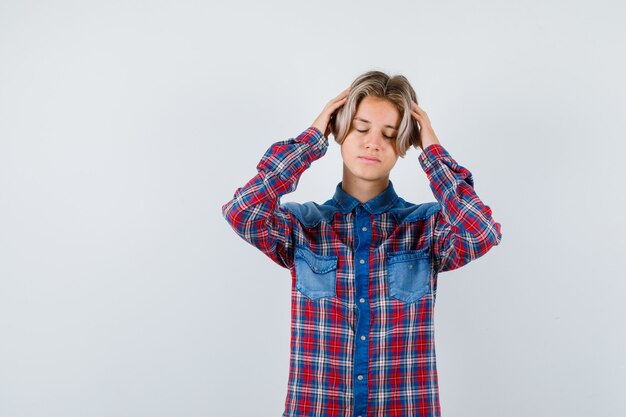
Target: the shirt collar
pixel 376 205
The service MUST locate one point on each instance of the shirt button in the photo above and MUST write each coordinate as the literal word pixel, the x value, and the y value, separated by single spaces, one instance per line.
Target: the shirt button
pixel 362 261
pixel 362 299
pixel 360 377
pixel 362 337
pixel 364 229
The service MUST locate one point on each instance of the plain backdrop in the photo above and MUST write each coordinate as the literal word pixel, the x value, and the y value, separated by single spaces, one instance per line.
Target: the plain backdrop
pixel 125 125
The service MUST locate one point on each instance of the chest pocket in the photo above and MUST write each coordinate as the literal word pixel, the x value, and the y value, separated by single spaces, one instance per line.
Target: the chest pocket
pixel 408 274
pixel 316 275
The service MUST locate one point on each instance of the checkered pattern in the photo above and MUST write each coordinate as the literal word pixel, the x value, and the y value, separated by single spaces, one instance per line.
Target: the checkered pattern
pixel 364 278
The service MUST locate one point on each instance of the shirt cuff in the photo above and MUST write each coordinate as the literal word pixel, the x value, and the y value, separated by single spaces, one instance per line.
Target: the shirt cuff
pixel 431 154
pixel 315 137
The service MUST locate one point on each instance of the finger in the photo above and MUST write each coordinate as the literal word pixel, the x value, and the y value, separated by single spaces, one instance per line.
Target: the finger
pixel 418 118
pixel 335 100
pixel 343 93
pixel 338 104
pixel 421 111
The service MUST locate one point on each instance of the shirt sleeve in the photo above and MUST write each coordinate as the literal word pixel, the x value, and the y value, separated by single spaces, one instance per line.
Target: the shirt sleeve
pixel 255 213
pixel 464 228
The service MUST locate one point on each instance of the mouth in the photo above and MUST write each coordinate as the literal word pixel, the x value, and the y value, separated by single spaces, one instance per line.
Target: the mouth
pixel 369 160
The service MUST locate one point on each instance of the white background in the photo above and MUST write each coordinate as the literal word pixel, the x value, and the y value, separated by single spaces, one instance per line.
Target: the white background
pixel 125 125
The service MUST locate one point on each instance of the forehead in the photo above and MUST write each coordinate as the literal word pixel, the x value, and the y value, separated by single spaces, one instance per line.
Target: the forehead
pixel 378 110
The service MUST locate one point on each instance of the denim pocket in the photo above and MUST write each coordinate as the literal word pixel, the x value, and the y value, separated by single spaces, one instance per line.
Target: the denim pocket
pixel 408 274
pixel 316 275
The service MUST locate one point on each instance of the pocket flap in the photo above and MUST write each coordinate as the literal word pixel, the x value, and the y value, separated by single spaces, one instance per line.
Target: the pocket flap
pixel 320 264
pixel 408 255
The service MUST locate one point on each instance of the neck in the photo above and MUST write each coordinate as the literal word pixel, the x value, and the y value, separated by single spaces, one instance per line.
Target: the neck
pixel 362 189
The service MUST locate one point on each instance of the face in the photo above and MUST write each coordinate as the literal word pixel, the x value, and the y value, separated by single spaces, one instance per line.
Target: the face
pixel 373 134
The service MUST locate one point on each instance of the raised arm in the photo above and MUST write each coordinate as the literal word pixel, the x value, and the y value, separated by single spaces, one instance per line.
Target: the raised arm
pixel 255 213
pixel 463 229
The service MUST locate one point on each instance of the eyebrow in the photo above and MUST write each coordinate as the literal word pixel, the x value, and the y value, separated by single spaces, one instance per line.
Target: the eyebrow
pixel 367 121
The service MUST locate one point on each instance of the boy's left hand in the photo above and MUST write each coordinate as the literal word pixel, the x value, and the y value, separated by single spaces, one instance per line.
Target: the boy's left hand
pixel 427 133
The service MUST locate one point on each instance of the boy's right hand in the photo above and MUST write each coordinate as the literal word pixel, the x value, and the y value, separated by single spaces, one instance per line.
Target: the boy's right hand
pixel 323 120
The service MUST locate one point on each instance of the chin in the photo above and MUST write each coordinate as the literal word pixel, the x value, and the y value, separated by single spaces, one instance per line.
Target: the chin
pixel 370 176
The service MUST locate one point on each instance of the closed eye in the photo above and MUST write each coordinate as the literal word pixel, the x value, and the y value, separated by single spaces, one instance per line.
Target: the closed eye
pixel 386 137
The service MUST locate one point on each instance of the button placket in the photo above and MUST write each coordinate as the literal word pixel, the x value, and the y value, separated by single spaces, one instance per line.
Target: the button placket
pixel 363 238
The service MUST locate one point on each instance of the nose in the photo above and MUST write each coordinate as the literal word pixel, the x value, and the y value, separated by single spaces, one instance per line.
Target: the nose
pixel 373 140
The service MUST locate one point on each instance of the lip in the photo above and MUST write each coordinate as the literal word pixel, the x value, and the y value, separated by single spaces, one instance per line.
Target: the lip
pixel 369 160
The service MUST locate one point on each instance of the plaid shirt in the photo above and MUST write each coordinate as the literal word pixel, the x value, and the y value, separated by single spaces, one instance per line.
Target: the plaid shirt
pixel 364 278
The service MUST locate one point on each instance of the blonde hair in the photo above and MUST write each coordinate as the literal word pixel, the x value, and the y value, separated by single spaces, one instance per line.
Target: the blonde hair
pixel 397 90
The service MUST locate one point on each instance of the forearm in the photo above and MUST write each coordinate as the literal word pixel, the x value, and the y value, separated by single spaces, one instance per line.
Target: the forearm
pixel 465 227
pixel 429 138
pixel 254 212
